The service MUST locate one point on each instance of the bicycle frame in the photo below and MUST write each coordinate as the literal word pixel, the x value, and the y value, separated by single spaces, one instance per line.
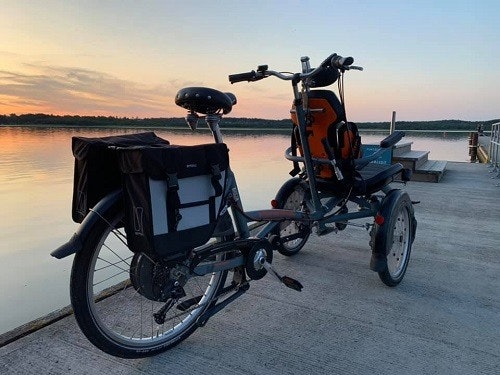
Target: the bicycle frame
pixel 319 210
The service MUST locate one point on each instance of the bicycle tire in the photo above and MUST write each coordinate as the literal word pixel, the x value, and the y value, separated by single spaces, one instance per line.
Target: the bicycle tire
pixel 394 238
pixel 293 195
pixel 112 314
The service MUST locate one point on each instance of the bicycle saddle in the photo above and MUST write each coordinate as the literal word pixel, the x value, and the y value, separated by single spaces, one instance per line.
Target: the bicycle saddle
pixel 205 100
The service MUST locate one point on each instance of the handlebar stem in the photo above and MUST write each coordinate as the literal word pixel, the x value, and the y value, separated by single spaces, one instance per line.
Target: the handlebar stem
pixel 306 66
pixel 300 101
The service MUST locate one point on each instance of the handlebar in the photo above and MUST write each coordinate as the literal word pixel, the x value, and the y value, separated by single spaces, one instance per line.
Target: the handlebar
pixel 333 61
pixel 253 76
pixel 240 77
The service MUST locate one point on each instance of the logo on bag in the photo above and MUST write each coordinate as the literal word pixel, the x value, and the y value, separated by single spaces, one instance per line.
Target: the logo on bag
pixel 194 165
pixel 138 221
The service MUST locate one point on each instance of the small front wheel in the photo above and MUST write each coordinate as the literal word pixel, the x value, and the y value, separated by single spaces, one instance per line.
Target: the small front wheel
pixel 393 239
pixel 293 235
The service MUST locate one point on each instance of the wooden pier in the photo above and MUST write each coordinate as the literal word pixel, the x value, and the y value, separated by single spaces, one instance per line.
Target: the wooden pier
pixel 442 319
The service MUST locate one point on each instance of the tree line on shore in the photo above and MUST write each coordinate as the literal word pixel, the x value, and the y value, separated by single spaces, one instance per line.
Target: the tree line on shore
pixel 40 119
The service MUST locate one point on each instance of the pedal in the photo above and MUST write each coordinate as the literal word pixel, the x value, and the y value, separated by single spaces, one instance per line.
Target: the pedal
pixel 288 281
pixel 292 283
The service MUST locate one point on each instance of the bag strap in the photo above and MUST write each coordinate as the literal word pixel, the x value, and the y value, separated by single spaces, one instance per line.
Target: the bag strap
pixel 214 160
pixel 173 202
pixel 216 177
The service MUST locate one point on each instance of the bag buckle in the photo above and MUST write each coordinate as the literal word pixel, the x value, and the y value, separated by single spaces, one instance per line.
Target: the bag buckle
pixel 216 171
pixel 216 176
pixel 172 182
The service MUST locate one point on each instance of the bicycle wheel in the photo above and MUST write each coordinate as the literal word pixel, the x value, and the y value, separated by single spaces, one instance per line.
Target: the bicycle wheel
pixel 115 314
pixel 395 237
pixel 294 195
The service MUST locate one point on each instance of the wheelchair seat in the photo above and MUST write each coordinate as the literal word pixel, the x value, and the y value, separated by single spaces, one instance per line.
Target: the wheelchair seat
pixel 365 181
pixel 374 177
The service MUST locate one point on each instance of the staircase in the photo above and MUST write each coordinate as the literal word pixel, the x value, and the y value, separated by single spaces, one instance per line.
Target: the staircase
pixel 418 161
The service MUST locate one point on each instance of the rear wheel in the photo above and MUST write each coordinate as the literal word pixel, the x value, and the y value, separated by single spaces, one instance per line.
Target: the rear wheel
pixel 123 309
pixel 394 238
pixel 293 235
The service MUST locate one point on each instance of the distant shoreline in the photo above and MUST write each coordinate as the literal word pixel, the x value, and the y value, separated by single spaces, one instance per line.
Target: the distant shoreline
pixel 43 120
pixel 203 128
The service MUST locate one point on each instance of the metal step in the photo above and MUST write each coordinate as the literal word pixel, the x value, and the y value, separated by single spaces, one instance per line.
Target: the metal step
pixel 401 148
pixel 430 171
pixel 412 159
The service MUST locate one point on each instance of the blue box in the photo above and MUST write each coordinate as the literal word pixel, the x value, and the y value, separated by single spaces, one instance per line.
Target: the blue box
pixel 385 158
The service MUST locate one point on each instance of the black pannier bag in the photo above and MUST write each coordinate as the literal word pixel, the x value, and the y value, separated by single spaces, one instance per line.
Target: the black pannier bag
pixel 173 196
pixel 96 171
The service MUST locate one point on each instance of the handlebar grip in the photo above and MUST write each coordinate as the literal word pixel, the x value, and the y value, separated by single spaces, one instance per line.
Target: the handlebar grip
pixel 341 62
pixel 240 77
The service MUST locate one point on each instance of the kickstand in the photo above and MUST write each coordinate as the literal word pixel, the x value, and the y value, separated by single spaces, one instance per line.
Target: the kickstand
pixel 288 281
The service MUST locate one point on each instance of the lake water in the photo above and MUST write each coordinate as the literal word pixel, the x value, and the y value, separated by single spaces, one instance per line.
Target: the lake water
pixel 36 177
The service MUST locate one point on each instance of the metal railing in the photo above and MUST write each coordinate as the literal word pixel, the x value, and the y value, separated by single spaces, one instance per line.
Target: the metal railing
pixel 494 151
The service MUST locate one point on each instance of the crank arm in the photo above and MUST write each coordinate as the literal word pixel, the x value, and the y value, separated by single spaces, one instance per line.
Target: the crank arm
pixel 288 281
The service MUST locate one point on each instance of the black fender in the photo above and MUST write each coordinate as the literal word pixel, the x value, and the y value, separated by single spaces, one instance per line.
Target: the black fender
pixel 378 260
pixel 111 203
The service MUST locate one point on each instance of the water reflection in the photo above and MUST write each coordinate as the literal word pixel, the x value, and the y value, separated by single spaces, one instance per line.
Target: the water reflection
pixel 36 177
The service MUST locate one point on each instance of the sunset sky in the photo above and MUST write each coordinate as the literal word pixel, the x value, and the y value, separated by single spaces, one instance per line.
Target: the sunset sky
pixel 427 60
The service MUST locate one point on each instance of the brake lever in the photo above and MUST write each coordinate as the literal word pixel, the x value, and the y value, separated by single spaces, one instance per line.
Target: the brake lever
pixel 354 67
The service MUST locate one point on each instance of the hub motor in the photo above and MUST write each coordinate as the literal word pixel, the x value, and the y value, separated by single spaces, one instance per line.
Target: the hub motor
pixel 156 280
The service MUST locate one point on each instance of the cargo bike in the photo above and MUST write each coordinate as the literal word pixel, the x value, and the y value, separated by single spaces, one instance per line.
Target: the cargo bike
pixel 164 241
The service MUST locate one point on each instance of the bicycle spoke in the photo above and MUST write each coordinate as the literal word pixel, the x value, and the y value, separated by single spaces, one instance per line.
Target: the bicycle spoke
pixel 110 265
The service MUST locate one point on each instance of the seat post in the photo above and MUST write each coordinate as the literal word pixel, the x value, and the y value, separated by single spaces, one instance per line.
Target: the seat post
pixel 212 121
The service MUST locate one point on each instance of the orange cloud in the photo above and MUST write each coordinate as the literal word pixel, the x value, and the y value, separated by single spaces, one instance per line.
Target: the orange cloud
pixel 66 90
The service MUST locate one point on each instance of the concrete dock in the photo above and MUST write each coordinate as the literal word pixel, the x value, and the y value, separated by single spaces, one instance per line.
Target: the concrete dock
pixel 444 318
